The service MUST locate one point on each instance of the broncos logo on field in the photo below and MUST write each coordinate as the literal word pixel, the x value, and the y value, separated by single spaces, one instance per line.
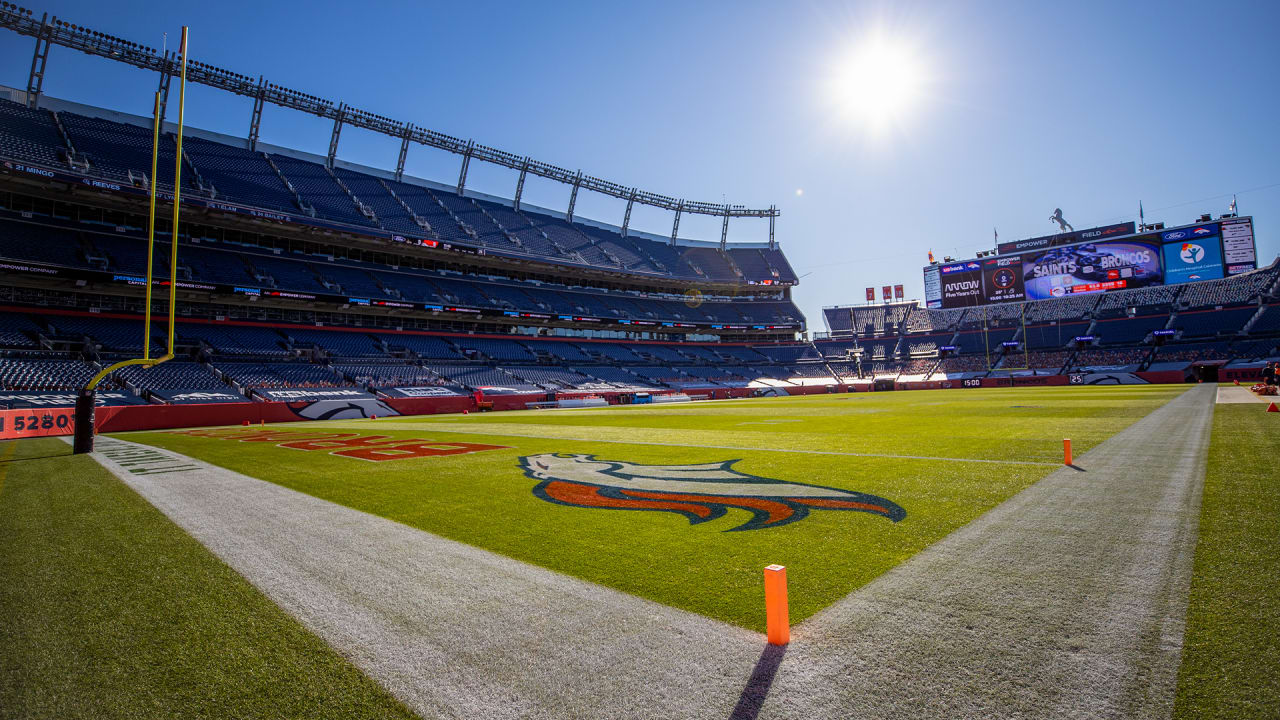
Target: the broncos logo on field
pixel 698 492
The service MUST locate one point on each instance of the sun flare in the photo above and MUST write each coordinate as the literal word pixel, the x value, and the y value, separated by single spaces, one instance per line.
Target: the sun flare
pixel 879 81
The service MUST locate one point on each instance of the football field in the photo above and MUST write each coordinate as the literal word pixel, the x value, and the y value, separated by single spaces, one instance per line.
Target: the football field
pixel 925 463
pixel 941 561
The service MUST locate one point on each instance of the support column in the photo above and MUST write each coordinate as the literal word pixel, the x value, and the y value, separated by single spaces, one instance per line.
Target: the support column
pixel 333 139
pixel 724 230
pixel 35 80
pixel 675 227
pixel 163 88
pixel 626 218
pixel 773 214
pixel 524 170
pixel 573 196
pixel 404 151
pixel 466 163
pixel 255 122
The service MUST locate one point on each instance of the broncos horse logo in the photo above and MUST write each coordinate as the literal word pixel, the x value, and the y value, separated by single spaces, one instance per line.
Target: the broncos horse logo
pixel 699 492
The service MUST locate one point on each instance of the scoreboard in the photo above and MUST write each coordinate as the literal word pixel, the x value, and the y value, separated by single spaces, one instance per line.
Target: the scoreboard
pixel 1207 251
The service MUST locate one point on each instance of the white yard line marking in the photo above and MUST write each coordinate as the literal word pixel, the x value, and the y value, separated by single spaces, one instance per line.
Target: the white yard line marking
pixel 451 630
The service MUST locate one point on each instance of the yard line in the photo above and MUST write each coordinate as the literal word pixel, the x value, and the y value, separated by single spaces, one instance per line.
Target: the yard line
pixel 452 429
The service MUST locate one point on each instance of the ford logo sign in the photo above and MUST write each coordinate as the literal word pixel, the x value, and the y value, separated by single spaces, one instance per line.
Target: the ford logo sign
pixel 1178 235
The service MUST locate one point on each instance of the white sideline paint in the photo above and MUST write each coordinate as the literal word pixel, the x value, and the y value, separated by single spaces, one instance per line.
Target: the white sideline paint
pixel 451 630
pixel 1241 394
pixel 1066 601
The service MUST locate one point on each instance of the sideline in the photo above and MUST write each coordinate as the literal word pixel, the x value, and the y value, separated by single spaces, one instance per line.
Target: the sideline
pixel 1068 600
pixel 449 629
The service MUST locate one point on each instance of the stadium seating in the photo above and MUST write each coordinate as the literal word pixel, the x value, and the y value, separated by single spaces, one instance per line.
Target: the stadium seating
pixel 320 190
pixel 1043 337
pixel 1130 358
pixel 46 374
pixel 1208 323
pixel 35 243
pixel 172 375
pixel 233 341
pixel 255 375
pixel 239 175
pixel 31 136
pixel 337 344
pixel 386 375
pixel 1129 330
pixel 480 377
pixel 122 152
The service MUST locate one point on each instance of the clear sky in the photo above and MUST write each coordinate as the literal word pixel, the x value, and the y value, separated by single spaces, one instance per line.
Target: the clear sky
pixel 1019 107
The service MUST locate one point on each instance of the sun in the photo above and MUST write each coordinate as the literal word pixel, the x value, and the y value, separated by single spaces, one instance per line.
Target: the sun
pixel 878 81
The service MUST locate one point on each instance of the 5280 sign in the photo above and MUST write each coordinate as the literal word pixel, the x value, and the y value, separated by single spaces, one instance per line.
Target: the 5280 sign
pixel 36 422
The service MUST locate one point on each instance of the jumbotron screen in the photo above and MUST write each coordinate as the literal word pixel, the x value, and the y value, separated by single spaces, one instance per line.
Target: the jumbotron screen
pixel 1207 251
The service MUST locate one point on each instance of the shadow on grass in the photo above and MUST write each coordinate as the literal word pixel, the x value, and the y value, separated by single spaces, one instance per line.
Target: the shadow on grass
pixel 34 457
pixel 757 689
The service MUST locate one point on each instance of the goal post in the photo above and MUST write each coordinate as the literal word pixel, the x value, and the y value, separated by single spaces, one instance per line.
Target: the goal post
pixel 86 398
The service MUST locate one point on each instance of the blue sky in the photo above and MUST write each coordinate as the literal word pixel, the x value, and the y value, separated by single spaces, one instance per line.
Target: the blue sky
pixel 1087 106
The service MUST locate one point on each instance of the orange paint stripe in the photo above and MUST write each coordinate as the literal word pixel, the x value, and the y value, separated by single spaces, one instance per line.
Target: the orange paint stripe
pixel 591 497
pixel 777 511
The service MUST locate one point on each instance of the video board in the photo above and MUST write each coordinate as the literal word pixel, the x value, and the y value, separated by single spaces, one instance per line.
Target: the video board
pixel 1207 251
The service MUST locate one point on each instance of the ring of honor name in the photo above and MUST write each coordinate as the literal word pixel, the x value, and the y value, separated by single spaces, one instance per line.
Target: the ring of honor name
pixel 700 493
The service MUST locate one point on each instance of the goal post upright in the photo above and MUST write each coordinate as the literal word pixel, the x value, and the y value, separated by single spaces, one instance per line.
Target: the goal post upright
pixel 86 398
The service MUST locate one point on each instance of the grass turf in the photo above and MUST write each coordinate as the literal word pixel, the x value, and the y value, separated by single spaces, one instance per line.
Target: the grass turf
pixel 1231 655
pixel 112 611
pixel 485 499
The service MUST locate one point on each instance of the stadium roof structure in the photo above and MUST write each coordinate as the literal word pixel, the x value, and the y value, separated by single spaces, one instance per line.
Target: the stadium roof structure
pixel 49 31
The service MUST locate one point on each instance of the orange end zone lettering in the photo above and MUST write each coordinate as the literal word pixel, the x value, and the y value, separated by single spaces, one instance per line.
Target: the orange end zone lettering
pixel 416 448
pixel 339 443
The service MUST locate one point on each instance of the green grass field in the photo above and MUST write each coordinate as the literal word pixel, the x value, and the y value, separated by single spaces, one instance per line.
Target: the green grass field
pixel 1231 653
pixel 919 450
pixel 112 611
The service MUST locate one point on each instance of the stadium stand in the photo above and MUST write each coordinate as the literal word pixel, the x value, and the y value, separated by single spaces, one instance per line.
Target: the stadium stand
pixel 530 301
pixel 31 135
pixel 45 374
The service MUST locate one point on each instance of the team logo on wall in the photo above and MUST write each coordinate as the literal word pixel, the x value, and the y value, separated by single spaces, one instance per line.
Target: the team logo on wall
pixel 342 409
pixel 701 493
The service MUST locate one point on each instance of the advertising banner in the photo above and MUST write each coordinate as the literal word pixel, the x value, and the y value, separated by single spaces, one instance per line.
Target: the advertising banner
pixel 1002 279
pixel 36 422
pixel 186 397
pixel 1048 241
pixel 1090 268
pixel 1190 260
pixel 312 394
pixel 65 398
pixel 961 284
pixel 432 391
